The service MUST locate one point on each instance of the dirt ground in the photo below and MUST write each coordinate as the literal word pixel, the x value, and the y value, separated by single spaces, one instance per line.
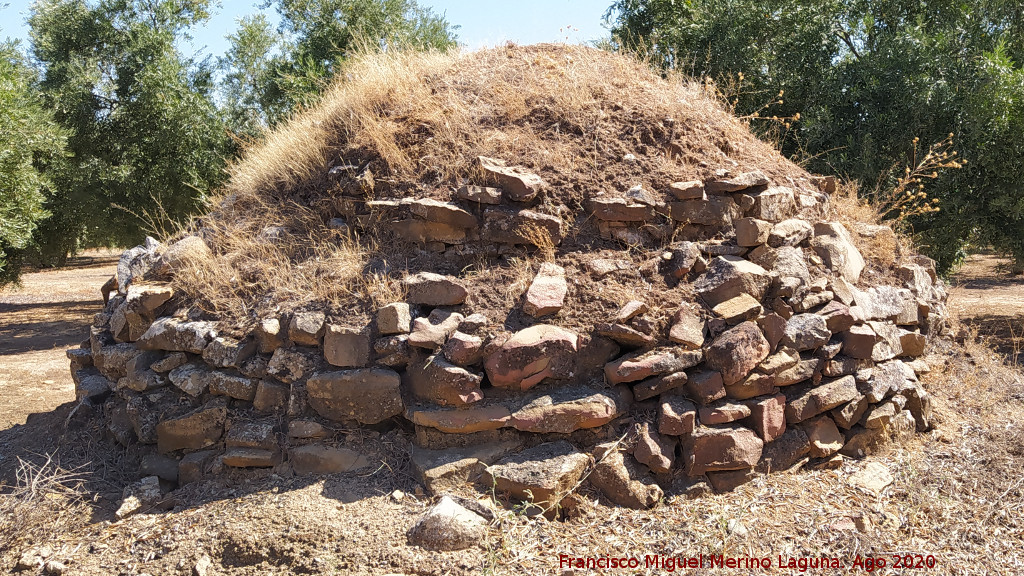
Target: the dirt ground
pixel 956 492
pixel 987 297
pixel 50 312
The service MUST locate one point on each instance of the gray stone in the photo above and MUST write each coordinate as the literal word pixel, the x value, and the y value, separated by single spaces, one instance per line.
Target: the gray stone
pixel 432 331
pixel 543 474
pixel 789 233
pixel 289 364
pixel 805 332
pixel 621 480
pixel 227 352
pixel 394 318
pixel 448 526
pixel 730 276
pixel 833 243
pixel 321 459
pixel 775 204
pixel 752 232
pixel 450 469
pixel 368 395
pixel 307 328
pixel 174 335
pixel 347 347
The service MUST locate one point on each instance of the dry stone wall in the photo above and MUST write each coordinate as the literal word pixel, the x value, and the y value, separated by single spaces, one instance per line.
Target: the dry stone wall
pixel 785 354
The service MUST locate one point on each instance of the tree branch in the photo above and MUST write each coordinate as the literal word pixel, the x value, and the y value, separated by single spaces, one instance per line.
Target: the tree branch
pixel 845 37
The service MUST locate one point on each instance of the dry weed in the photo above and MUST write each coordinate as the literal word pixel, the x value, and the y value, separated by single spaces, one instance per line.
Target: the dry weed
pixel 47 503
pixel 399 123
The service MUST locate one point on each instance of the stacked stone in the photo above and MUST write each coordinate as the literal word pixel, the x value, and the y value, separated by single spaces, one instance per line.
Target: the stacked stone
pixel 782 357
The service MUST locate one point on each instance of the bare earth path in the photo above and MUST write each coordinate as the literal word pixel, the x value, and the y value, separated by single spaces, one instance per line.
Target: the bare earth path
pixel 49 312
pixel 985 296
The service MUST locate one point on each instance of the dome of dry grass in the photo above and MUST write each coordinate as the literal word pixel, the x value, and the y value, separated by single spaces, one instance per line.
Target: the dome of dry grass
pixel 589 122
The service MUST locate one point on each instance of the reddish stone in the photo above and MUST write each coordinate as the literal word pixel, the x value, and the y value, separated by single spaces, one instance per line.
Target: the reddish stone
pixel 655 452
pixel 713 449
pixel 768 417
pixel 436 380
pixel 652 387
pixel 474 418
pixel 705 386
pixel 838 317
pixel 723 413
pixel 625 335
pixel 463 349
pixel 687 328
pixel 756 384
pixel 785 452
pixel 737 351
pixel 690 190
pixel 729 480
pixel 640 365
pixel 825 439
pixel 566 410
pixel 631 309
pixel 531 355
pixel 850 413
pixel 622 480
pixel 546 294
pixel 435 290
pixel 802 370
pixel 730 276
pixel 677 416
pixel 737 183
pixel 809 401
pixel 517 184
pixel 620 210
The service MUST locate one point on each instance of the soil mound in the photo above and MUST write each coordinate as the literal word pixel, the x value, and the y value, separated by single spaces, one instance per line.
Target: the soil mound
pixel 547 264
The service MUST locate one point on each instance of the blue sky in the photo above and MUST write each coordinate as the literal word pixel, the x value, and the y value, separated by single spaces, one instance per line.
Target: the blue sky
pixel 482 23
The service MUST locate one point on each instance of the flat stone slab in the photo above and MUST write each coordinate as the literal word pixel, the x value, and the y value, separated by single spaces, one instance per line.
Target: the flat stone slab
pixel 542 474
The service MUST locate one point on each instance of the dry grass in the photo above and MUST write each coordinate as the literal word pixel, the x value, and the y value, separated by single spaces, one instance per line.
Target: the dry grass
pixel 413 124
pixel 883 251
pixel 47 504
